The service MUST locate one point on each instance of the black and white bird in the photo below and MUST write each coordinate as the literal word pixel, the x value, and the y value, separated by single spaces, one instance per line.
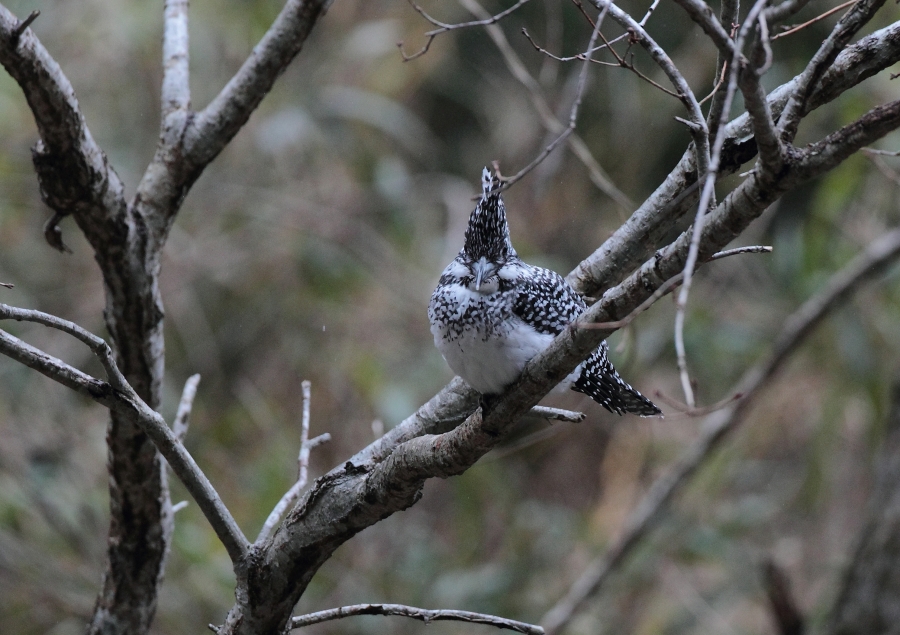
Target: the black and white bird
pixel 491 313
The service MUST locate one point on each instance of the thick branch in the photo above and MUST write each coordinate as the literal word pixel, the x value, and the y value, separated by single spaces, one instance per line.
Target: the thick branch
pixel 645 231
pixel 217 124
pixel 73 172
pixel 846 28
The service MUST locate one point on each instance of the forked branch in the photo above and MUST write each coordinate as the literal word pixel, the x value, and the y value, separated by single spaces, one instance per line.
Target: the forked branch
pixel 120 397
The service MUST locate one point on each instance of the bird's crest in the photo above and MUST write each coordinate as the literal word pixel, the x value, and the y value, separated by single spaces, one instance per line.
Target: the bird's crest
pixel 487 235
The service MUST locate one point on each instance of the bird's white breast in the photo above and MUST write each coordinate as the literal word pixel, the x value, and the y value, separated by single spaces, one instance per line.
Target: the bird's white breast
pixel 488 353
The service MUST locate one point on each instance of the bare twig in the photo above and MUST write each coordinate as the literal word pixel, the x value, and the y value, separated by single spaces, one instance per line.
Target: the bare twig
pixel 886 153
pixel 97 345
pixel 684 409
pixel 749 249
pixel 303 456
pixel 183 416
pixel 425 615
pixel 306 445
pixel 877 257
pixel 666 288
pixel 24 24
pixel 875 157
pixel 573 114
pixel 177 507
pixel 7 285
pixel 120 397
pixel 703 16
pixel 443 27
pixel 798 27
pixel 548 118
pixel 662 59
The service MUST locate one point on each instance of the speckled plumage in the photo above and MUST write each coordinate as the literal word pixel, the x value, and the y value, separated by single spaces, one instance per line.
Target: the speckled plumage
pixel 491 313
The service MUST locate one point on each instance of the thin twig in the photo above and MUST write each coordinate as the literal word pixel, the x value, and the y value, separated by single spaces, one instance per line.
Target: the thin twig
pixel 749 249
pixel 443 27
pixel 573 114
pixel 686 410
pixel 877 257
pixel 8 285
pixel 886 153
pixel 666 288
pixel 889 173
pixel 24 24
pixel 120 397
pixel 699 133
pixel 306 445
pixel 183 416
pixel 425 615
pixel 548 118
pixel 715 89
pixel 303 456
pixel 798 27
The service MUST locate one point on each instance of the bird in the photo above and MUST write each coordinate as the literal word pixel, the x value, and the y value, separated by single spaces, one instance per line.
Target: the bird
pixel 491 312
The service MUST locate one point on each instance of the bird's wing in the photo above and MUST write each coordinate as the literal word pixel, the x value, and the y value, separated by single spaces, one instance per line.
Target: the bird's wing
pixel 546 302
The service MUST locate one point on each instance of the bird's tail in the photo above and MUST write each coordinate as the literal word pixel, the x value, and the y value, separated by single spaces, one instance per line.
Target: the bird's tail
pixel 600 381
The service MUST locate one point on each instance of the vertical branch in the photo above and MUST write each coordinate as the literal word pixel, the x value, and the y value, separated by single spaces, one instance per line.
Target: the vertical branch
pixel 706 196
pixel 306 445
pixel 176 90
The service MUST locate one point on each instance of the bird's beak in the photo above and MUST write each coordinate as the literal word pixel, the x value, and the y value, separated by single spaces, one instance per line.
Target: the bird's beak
pixel 479 269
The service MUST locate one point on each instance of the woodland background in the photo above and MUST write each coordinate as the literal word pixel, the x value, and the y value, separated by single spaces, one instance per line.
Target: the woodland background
pixel 308 250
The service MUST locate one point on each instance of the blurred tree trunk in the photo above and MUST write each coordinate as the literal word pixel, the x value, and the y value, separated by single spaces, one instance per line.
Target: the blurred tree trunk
pixel 869 600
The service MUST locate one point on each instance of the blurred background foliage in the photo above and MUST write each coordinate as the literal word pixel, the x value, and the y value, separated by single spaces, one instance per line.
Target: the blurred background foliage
pixel 308 250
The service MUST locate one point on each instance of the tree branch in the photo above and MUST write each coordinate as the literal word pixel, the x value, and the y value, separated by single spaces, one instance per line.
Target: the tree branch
pixel 845 29
pixel 73 171
pixel 648 227
pixel 176 89
pixel 216 125
pixel 425 615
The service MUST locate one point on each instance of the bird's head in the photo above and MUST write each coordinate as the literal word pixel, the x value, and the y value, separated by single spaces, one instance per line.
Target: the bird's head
pixel 487 247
